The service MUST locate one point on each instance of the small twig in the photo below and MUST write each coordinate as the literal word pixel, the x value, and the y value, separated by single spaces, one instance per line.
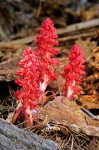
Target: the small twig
pixel 39 9
pixel 3 34
pixel 59 87
pixel 73 37
pixel 96 49
pixel 89 114
pixel 72 143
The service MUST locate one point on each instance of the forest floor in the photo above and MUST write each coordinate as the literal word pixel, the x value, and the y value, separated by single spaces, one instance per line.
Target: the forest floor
pixel 75 128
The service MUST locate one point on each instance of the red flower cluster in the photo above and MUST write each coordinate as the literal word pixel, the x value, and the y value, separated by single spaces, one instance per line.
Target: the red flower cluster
pixel 36 71
pixel 74 71
pixel 45 50
pixel 29 81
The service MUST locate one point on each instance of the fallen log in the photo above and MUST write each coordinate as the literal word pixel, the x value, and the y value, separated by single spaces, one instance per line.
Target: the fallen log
pixel 14 138
pixel 79 26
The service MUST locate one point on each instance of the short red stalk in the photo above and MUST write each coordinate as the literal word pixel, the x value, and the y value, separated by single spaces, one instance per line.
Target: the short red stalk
pixel 74 72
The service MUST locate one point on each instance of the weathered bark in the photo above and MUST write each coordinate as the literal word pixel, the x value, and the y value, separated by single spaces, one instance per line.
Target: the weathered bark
pixel 14 138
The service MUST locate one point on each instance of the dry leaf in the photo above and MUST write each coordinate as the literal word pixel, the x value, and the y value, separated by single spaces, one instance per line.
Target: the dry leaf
pixel 89 101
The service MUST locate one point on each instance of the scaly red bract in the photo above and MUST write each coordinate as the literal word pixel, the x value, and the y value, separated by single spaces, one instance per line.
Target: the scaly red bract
pixel 46 41
pixel 29 81
pixel 74 71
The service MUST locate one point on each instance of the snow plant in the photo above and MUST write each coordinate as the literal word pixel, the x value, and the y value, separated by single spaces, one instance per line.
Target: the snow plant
pixel 74 72
pixel 36 71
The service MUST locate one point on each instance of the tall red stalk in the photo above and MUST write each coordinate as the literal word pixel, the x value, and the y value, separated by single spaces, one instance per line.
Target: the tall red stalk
pixel 46 41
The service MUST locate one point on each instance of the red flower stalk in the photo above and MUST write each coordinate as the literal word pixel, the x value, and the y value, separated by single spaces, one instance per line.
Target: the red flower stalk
pixel 74 71
pixel 45 51
pixel 29 81
pixel 36 70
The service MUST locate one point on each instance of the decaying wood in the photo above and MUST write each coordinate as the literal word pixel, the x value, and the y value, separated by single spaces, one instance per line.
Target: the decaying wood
pixel 79 26
pixel 68 113
pixel 13 138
